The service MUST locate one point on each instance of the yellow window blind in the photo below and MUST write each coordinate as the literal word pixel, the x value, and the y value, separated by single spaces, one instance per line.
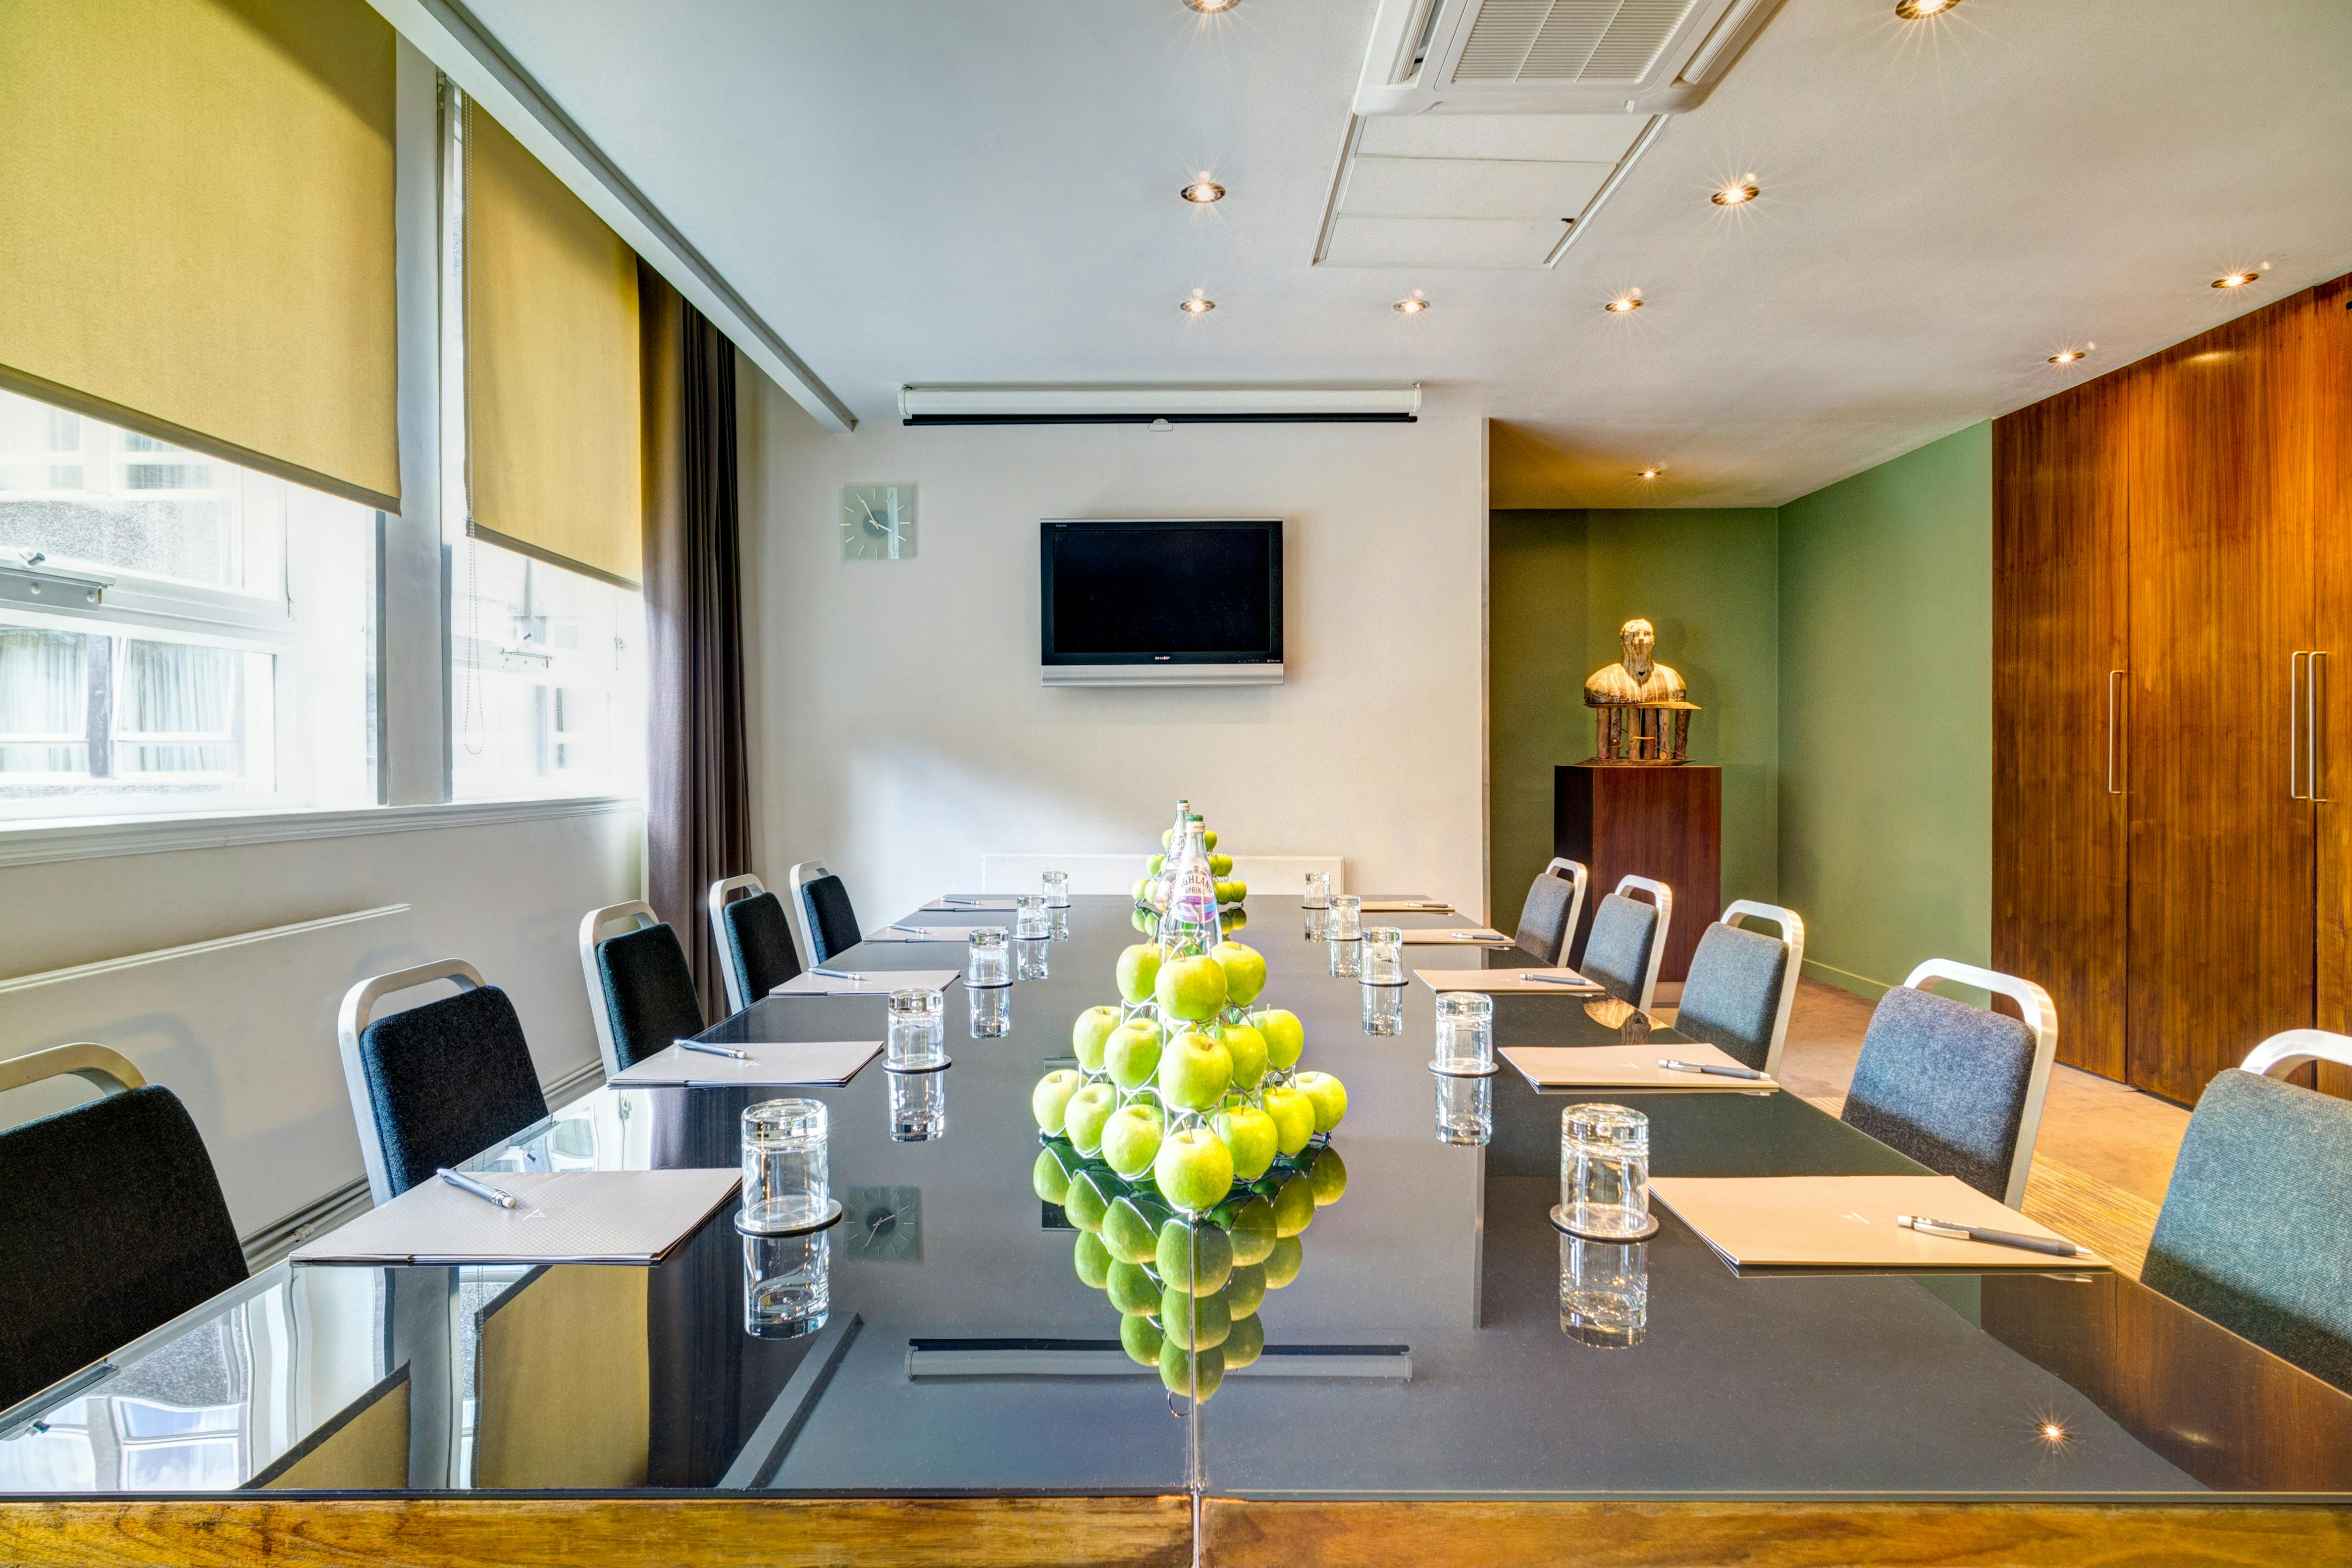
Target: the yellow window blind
pixel 197 227
pixel 553 439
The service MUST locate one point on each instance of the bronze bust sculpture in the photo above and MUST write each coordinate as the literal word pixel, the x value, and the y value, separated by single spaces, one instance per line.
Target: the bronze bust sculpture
pixel 1641 707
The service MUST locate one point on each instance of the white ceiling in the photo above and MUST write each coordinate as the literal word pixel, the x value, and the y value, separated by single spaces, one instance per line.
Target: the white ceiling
pixel 959 190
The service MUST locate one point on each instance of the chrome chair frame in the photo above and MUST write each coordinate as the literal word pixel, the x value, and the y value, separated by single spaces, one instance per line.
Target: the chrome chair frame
pixel 352 1021
pixel 1578 878
pixel 796 904
pixel 750 888
pixel 1663 897
pixel 102 1067
pixel 2041 1016
pixel 591 931
pixel 1792 936
pixel 2284 1052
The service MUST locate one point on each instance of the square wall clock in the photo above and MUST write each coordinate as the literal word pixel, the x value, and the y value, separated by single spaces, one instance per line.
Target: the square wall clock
pixel 877 523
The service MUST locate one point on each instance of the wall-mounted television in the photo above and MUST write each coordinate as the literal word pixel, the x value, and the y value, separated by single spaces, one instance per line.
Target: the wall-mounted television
pixel 1160 601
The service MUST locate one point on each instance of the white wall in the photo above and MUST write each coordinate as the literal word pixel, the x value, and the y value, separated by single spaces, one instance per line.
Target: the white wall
pixel 900 732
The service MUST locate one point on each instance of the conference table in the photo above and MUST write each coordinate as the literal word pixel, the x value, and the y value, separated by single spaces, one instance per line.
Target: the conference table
pixel 966 1399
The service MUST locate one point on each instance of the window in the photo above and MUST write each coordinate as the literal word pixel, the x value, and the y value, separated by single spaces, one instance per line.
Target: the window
pixel 230 660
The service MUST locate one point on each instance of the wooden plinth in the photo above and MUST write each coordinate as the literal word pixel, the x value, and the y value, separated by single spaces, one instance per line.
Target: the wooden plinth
pixel 1663 821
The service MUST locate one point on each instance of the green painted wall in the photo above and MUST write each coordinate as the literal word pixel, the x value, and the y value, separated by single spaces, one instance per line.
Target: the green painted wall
pixel 1560 583
pixel 1886 714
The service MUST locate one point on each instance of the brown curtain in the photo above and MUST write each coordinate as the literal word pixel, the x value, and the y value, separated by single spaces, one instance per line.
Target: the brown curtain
pixel 697 773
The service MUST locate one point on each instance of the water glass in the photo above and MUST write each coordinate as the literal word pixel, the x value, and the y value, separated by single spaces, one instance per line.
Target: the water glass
pixel 1466 1034
pixel 1383 956
pixel 1347 958
pixel 1318 889
pixel 917 1030
pixel 787 1284
pixel 1029 956
pixel 1605 1291
pixel 1061 925
pixel 1347 918
pixel 1466 1110
pixel 1604 1171
pixel 1383 1009
pixel 1319 924
pixel 1057 890
pixel 992 1011
pixel 918 1106
pixel 785 1180
pixel 1029 915
pixel 987 961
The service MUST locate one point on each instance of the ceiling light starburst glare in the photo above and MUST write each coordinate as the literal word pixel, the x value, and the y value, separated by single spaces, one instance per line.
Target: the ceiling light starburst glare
pixel 1212 7
pixel 1648 474
pixel 2068 356
pixel 2236 280
pixel 1197 303
pixel 1412 304
pixel 1624 304
pixel 1921 10
pixel 1202 190
pixel 1739 192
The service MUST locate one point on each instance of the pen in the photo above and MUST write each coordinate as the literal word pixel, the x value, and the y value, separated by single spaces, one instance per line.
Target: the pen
pixel 479 1189
pixel 840 974
pixel 1673 1066
pixel 912 931
pixel 1555 980
pixel 714 1050
pixel 1959 1232
pixel 950 898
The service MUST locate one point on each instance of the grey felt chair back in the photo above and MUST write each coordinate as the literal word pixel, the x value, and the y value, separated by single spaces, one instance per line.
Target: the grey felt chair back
pixel 645 990
pixel 756 953
pixel 1956 1088
pixel 111 1220
pixel 2256 1228
pixel 1742 984
pixel 1628 939
pixel 826 920
pixel 438 1083
pixel 1548 917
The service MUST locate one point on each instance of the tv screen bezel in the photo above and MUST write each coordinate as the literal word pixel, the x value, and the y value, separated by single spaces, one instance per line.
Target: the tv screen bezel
pixel 1049 657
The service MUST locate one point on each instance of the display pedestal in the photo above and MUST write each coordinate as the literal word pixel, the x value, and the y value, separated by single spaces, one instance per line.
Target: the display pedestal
pixel 1659 820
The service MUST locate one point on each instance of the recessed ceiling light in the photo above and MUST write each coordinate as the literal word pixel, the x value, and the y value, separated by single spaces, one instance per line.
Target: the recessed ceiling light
pixel 1412 304
pixel 2236 280
pixel 1197 303
pixel 1211 7
pixel 1203 190
pixel 1624 304
pixel 1913 10
pixel 2068 356
pixel 1739 192
pixel 1648 474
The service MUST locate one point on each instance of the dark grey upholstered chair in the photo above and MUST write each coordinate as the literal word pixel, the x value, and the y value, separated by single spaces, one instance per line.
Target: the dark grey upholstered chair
pixel 438 1083
pixel 1548 917
pixel 112 1222
pixel 826 919
pixel 1627 940
pixel 1956 1088
pixel 756 953
pixel 2256 1228
pixel 1742 984
pixel 641 991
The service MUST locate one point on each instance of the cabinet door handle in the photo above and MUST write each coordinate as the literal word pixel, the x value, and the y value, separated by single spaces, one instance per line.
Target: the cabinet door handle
pixel 2294 728
pixel 2112 677
pixel 2311 713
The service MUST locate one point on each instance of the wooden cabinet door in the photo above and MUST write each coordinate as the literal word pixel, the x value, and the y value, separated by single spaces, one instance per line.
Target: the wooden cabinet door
pixel 2323 345
pixel 2059 677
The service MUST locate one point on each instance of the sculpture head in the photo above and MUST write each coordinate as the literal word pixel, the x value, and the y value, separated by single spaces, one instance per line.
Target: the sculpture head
pixel 1639 639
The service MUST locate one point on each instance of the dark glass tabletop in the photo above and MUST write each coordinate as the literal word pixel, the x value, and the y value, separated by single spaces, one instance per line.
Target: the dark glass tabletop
pixel 1419 1351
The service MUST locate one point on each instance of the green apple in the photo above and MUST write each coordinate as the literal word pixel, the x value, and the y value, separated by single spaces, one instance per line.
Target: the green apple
pixel 1328 1175
pixel 1088 1109
pixel 1221 865
pixel 1246 1288
pixel 1247 1047
pixel 1131 1289
pixel 1194 1170
pixel 1139 966
pixel 1329 1095
pixel 1087 1035
pixel 1293 1117
pixel 1085 1206
pixel 1281 1262
pixel 1128 1232
pixel 1132 1054
pixel 1294 1206
pixel 1286 1037
pixel 1191 988
pixel 1159 863
pixel 1195 1257
pixel 1141 1339
pixel 1208 839
pixel 1194 1322
pixel 1232 919
pixel 1232 892
pixel 1245 1343
pixel 1050 1100
pixel 1139 892
pixel 1048 1176
pixel 1250 1222
pixel 1244 968
pixel 1131 1137
pixel 1195 1070
pixel 1092 1260
pixel 1250 1136
pixel 1197 1375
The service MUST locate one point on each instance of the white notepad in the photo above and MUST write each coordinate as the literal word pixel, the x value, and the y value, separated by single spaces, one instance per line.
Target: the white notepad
pixel 778 1064
pixel 559 1216
pixel 1508 982
pixel 869 983
pixel 1628 1067
pixel 1407 907
pixel 1848 1222
pixel 1456 936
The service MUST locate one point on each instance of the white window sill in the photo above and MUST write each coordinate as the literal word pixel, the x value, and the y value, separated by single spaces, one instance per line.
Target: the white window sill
pixel 38 840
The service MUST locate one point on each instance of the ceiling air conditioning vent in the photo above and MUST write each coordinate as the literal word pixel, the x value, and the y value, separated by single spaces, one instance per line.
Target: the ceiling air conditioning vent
pixel 1617 57
pixel 1616 41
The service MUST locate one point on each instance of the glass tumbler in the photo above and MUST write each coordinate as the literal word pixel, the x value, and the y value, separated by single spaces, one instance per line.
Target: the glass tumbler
pixel 787 1284
pixel 1466 1034
pixel 992 1011
pixel 1383 956
pixel 1346 921
pixel 1319 891
pixel 1057 890
pixel 1604 1171
pixel 1347 958
pixel 1383 1009
pixel 1466 1110
pixel 917 1030
pixel 785 1182
pixel 918 1106
pixel 1030 918
pixel 1061 925
pixel 1319 924
pixel 1605 1291
pixel 987 960
pixel 1029 957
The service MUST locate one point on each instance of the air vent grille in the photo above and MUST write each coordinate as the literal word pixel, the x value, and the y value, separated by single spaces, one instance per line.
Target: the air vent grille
pixel 1569 40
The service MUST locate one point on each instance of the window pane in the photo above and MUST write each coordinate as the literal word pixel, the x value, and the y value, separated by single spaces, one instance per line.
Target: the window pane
pixel 179 709
pixel 547 676
pixel 43 703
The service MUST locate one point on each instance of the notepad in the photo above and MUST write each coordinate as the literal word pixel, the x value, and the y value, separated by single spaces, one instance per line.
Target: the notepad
pixel 1508 982
pixel 920 934
pixel 869 983
pixel 1462 936
pixel 1627 1067
pixel 1406 907
pixel 1848 1222
pixel 774 1064
pixel 561 1216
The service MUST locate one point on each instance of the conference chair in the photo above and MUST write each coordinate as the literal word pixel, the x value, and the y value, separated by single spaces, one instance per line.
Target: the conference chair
pixel 438 1083
pixel 756 952
pixel 2256 1228
pixel 640 987
pixel 828 925
pixel 1956 1088
pixel 1628 939
pixel 1742 984
pixel 111 1220
pixel 1548 920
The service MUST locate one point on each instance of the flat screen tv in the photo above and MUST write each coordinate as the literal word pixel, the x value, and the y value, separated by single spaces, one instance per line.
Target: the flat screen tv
pixel 1133 601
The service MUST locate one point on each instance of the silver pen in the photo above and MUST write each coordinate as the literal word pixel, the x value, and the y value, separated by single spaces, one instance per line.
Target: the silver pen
pixel 1958 1232
pixel 1673 1066
pixel 950 898
pixel 912 930
pixel 1555 980
pixel 708 1050
pixel 482 1190
pixel 839 975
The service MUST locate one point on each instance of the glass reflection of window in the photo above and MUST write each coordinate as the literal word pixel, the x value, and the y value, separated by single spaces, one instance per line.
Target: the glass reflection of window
pixel 171 1448
pixel 548 678
pixel 57 1457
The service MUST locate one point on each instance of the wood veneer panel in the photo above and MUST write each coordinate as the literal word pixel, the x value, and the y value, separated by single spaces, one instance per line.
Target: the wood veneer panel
pixel 486 1532
pixel 1656 820
pixel 1759 1535
pixel 2328 360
